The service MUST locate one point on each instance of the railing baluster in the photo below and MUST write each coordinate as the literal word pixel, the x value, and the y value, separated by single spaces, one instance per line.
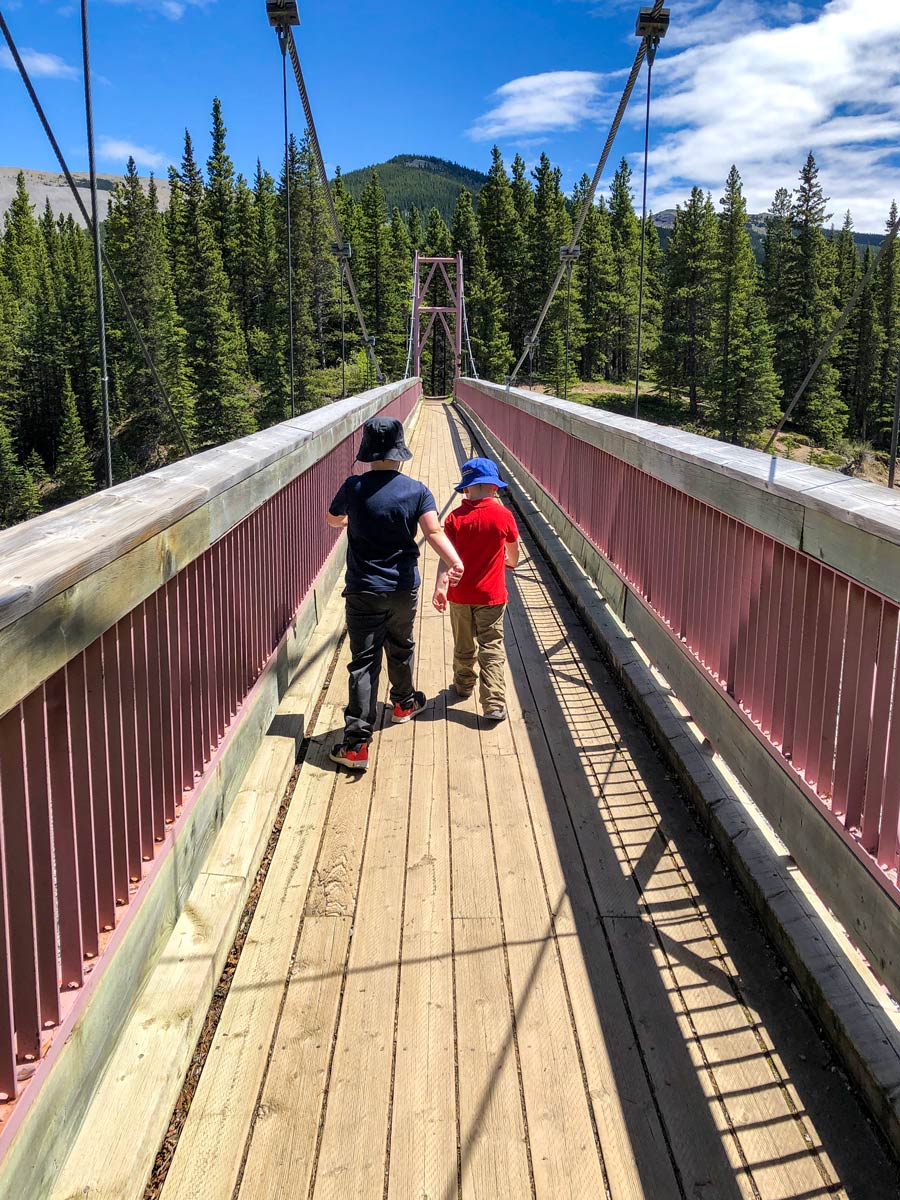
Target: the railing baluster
pixel 8 1082
pixel 20 888
pixel 65 845
pixel 41 829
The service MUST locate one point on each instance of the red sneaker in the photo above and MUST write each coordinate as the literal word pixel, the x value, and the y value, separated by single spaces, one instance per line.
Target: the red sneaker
pixel 405 712
pixel 355 760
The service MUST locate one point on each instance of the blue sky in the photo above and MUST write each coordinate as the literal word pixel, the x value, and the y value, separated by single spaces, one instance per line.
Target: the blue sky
pixel 757 82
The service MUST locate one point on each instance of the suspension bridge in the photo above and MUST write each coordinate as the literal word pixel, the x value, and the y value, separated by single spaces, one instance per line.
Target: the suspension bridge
pixel 638 941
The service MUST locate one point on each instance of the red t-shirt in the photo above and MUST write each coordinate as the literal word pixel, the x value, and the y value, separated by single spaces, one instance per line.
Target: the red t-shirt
pixel 480 529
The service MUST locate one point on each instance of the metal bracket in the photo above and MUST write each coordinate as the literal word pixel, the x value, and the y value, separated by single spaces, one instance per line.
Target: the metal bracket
pixel 652 26
pixel 569 255
pixel 282 13
pixel 342 251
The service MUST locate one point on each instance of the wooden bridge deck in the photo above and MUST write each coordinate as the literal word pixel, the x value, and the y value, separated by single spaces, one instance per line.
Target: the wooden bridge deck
pixel 504 963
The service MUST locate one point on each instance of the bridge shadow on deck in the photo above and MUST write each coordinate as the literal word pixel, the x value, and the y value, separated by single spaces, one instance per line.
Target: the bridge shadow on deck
pixel 677 962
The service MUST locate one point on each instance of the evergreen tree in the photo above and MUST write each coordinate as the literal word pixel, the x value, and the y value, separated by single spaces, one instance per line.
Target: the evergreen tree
pixel 36 469
pixel 175 230
pixel 808 298
pixel 501 229
pixel 520 305
pixel 621 332
pixel 241 248
pixel 10 396
pixel 595 274
pixel 483 296
pixel 651 321
pixel 744 384
pixel 136 247
pixel 346 209
pixel 549 230
pixel 416 232
pixel 215 351
pixel 847 268
pixel 399 270
pixel 865 335
pixel 18 493
pixel 372 261
pixel 522 191
pixel 685 350
pixel 317 260
pixel 74 475
pixel 77 302
pixel 466 236
pixel 220 193
pixel 887 288
pixel 268 333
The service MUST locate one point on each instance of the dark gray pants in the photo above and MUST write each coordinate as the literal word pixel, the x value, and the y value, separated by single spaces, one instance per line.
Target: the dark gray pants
pixel 377 622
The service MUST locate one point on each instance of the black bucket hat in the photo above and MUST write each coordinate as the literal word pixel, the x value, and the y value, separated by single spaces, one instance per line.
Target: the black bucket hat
pixel 383 440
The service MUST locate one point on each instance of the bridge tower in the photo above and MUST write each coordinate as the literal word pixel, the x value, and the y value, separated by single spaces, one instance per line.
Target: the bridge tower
pixel 450 270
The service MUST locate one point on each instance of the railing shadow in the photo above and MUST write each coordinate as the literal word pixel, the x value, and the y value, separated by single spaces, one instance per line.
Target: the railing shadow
pixel 677 1089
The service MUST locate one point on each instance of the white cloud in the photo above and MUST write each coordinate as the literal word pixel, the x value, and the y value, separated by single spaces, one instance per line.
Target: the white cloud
pixel 39 65
pixel 533 104
pixel 119 151
pixel 824 78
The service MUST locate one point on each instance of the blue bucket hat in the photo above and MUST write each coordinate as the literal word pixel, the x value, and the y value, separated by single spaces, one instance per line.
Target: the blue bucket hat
pixel 479 470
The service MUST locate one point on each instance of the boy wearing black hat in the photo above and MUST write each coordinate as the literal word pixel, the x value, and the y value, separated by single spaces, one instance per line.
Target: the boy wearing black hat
pixel 486 535
pixel 382 511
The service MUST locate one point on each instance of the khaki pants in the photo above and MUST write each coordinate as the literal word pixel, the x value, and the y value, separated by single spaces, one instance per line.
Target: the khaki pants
pixel 478 633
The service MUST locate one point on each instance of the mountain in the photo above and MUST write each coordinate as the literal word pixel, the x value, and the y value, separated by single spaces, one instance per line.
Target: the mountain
pixel 756 226
pixel 420 181
pixel 43 186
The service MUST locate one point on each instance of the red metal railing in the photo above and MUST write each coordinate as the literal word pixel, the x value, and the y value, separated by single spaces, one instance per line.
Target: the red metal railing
pixel 98 763
pixel 807 655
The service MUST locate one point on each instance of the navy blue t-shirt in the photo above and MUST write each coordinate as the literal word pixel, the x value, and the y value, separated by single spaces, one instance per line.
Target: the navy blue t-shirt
pixel 383 510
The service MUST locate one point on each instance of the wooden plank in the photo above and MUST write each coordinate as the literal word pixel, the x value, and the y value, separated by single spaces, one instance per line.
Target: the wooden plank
pixel 113 1161
pixel 493 1151
pixel 210 1150
pixel 494 1155
pixel 283 1137
pixel 422 1156
pixel 633 1144
pixel 565 1154
pixel 354 1141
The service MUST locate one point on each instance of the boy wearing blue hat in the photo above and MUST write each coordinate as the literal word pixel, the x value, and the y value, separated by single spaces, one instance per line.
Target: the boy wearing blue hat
pixel 383 511
pixel 487 540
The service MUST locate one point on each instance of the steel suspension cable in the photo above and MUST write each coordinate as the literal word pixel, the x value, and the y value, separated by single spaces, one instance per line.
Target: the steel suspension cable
pixel 651 55
pixel 332 211
pixel 98 260
pixel 465 315
pixel 568 327
pixel 288 181
pixel 836 329
pixel 411 335
pixel 592 191
pixel 126 307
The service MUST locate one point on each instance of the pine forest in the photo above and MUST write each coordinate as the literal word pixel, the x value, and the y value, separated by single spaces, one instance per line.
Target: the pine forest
pixel 726 338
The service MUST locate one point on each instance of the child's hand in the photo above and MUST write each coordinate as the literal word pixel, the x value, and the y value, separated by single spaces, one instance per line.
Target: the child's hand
pixel 455 573
pixel 439 600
